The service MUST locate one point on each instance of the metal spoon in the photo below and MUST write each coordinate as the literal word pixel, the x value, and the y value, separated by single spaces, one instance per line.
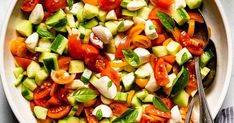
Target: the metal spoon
pixel 201 32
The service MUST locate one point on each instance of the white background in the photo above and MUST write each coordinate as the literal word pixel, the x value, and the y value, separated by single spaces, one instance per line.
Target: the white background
pixel 6 115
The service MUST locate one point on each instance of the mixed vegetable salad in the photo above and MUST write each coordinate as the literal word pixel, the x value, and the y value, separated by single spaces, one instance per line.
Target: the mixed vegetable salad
pixel 108 60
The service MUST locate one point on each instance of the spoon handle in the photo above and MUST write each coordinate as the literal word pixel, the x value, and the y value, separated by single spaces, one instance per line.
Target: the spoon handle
pixel 190 110
pixel 205 116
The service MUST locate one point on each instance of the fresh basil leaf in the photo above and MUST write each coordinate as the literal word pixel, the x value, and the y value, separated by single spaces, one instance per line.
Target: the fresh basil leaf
pixel 99 114
pixel 180 82
pixel 184 57
pixel 132 117
pixel 131 57
pixel 84 95
pixel 159 104
pixel 44 33
pixel 122 118
pixel 109 84
pixel 166 20
pixel 70 3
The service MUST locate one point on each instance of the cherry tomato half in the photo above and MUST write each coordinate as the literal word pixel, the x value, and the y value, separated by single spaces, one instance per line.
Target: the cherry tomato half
pixel 62 77
pixel 118 108
pixel 55 5
pixel 108 5
pixel 74 47
pixel 23 62
pixel 58 112
pixel 160 72
pixel 151 110
pixel 64 62
pixel 96 63
pixel 28 5
pixel 89 50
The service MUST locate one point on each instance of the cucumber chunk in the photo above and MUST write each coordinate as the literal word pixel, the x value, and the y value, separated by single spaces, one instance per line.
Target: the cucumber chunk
pixel 128 81
pixel 121 96
pixel 204 72
pixel 73 111
pixel 73 120
pixel 193 4
pixel 40 112
pixel 181 98
pixel 136 102
pixel 85 77
pixel 24 27
pixel 59 44
pixel 180 15
pixel 30 84
pixel 56 19
pixel 144 13
pixel 159 51
pixel 18 71
pixel 76 66
pixel 90 24
pixel 32 69
pixel 148 98
pixel 43 45
pixel 43 32
pixel 125 3
pixel 183 56
pixel 50 61
pixel 112 26
pixel 102 16
pixel 173 47
pixel 142 94
pixel 71 20
pixel 128 13
pixel 90 11
pixel 19 80
pixel 140 73
pixel 206 57
pixel 40 76
pixel 26 93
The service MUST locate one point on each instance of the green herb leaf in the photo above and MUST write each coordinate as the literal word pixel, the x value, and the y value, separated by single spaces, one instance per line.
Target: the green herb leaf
pixel 109 84
pixel 180 82
pixel 184 57
pixel 131 57
pixel 151 27
pixel 70 3
pixel 166 20
pixel 99 114
pixel 159 104
pixel 121 26
pixel 84 95
pixel 122 118
pixel 131 117
pixel 43 32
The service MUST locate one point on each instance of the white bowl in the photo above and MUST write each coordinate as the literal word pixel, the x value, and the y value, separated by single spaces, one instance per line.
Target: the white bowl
pixel 214 16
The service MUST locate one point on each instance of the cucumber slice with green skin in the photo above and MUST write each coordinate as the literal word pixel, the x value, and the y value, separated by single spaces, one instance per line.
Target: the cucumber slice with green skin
pixel 30 84
pixel 85 77
pixel 46 55
pixel 73 111
pixel 125 3
pixel 160 51
pixel 71 20
pixel 112 26
pixel 24 28
pixel 128 13
pixel 136 102
pixel 59 44
pixel 50 61
pixel 193 4
pixel 128 81
pixel 18 71
pixel 44 43
pixel 90 24
pixel 76 66
pixel 173 47
pixel 40 49
pixel 102 16
pixel 206 57
pixel 73 120
pixel 181 98
pixel 180 15
pixel 204 72
pixel 19 80
pixel 32 69
pixel 81 31
pixel 56 18
pixel 140 73
pixel 144 13
pixel 142 94
pixel 148 98
pixel 87 35
pixel 183 56
pixel 121 96
pixel 43 32
pixel 90 11
pixel 40 76
pixel 40 112
pixel 26 93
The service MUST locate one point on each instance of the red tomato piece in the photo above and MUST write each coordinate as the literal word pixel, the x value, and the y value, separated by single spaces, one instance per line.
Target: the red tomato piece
pixel 74 47
pixel 80 109
pixel 113 75
pixel 158 41
pixel 122 45
pixel 90 118
pixel 28 5
pixel 59 77
pixel 118 108
pixel 54 101
pixel 163 3
pixel 89 50
pixel 160 72
pixel 96 63
pixel 64 62
pixel 23 62
pixel 108 5
pixel 58 112
pixel 151 110
pixel 169 58
pixel 55 5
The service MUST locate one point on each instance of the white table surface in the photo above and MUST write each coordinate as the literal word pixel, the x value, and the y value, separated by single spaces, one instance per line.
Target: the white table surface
pixel 6 115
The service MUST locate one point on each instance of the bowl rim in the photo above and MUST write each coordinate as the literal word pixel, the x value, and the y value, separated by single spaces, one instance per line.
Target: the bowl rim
pixel 21 119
